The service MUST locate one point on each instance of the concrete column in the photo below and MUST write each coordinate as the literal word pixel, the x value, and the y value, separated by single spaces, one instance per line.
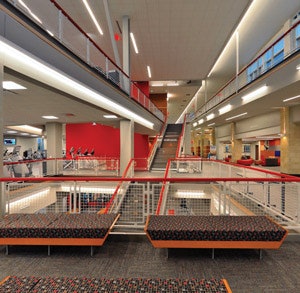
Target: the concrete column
pixel 1 117
pixel 236 145
pixel 187 140
pixel 126 51
pixel 2 194
pixel 126 143
pixel 289 144
pixel 126 44
pixel 54 147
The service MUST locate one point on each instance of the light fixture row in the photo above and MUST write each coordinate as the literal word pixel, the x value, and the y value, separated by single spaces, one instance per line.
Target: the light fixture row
pixel 15 56
pixel 246 98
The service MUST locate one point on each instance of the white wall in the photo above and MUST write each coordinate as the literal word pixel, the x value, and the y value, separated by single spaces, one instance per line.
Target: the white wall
pixel 25 143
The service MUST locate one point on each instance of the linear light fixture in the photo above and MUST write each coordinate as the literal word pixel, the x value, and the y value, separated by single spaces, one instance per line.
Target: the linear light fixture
pixel 254 94
pixel 50 33
pixel 236 116
pixel 11 85
pixel 188 106
pixel 38 69
pixel 210 116
pixel 173 83
pixel 189 194
pixel 134 43
pixel 211 124
pixel 92 16
pixel 232 36
pixel 110 116
pixel 195 124
pixel 200 121
pixel 30 12
pixel 298 67
pixel 149 71
pixel 292 98
pixel 225 109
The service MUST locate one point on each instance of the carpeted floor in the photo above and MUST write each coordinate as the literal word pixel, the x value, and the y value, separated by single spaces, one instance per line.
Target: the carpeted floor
pixel 131 257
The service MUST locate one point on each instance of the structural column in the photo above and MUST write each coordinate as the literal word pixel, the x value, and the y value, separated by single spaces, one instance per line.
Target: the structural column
pixel 126 143
pixel 187 140
pixel 54 147
pixel 289 144
pixel 1 117
pixel 236 145
pixel 126 51
pixel 2 194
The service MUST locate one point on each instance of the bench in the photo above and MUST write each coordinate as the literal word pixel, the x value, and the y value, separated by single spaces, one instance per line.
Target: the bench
pixel 64 284
pixel 56 229
pixel 235 232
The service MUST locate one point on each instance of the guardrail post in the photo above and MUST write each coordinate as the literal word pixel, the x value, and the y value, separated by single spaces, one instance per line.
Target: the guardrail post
pixel 88 61
pixel 60 26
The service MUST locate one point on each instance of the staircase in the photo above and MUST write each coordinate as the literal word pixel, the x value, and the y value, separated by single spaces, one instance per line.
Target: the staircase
pixel 168 147
pixel 140 200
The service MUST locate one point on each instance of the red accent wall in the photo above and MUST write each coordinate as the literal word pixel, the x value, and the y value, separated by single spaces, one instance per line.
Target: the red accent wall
pixel 160 101
pixel 143 86
pixel 105 140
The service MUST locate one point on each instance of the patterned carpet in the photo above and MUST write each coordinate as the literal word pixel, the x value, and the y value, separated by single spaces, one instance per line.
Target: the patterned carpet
pixel 134 257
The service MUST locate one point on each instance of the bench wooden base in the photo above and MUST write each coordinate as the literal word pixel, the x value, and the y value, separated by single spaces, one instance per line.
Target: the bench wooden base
pixel 58 241
pixel 210 244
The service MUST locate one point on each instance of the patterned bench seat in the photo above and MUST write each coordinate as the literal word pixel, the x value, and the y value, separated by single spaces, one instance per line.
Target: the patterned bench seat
pixel 250 232
pixel 129 285
pixel 56 229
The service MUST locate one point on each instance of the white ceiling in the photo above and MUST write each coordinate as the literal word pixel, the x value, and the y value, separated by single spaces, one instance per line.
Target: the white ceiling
pixel 179 39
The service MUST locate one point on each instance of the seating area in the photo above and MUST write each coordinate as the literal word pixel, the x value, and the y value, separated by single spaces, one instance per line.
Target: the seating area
pixel 245 160
pixel 56 229
pixel 129 285
pixel 247 232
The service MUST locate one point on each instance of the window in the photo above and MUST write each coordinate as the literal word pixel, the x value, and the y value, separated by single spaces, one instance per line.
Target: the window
pixel 279 51
pixel 268 59
pixel 297 36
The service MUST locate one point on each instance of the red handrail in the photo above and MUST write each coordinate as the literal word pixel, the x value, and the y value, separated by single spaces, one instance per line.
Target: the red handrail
pixel 85 34
pixel 249 64
pixel 118 186
pixel 163 188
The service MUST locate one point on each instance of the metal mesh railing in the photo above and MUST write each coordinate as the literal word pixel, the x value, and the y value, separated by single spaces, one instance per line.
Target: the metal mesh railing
pixel 261 67
pixel 59 25
pixel 136 198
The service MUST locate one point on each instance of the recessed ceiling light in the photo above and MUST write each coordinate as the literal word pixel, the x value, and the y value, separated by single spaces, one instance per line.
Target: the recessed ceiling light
pixel 173 83
pixel 11 85
pixel 110 116
pixel 153 83
pixel 50 117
